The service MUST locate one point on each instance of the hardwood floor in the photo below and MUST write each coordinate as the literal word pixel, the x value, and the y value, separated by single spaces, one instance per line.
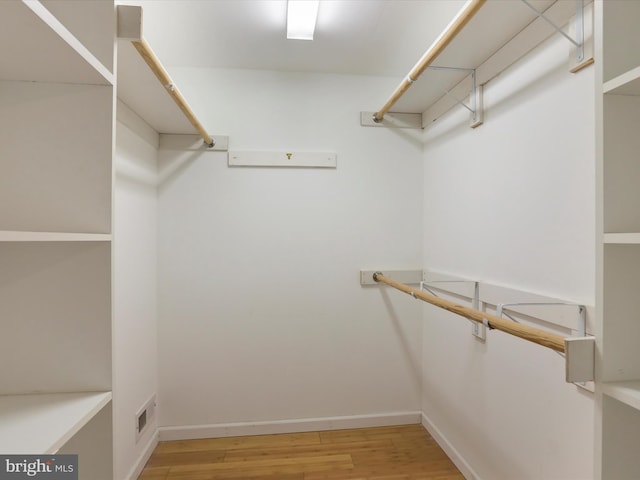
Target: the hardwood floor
pixel 386 453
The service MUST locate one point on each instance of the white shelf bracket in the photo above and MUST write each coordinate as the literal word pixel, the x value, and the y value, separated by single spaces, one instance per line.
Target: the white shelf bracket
pixel 478 330
pixel 475 105
pixel 414 120
pixel 579 350
pixel 579 29
pixel 582 312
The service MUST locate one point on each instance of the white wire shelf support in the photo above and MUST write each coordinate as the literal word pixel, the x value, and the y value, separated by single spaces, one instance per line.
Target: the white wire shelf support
pixel 578 42
pixel 475 97
pixel 580 336
pixel 478 330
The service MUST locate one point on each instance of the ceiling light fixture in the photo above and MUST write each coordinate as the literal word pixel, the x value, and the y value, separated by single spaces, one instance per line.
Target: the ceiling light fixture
pixel 301 19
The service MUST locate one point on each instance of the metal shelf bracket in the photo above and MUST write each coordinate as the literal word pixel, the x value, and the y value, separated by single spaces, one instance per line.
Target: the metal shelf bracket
pixel 580 349
pixel 582 312
pixel 475 106
pixel 478 330
pixel 578 41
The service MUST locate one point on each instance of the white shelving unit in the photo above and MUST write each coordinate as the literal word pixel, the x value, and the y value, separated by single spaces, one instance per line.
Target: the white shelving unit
pixel 618 266
pixel 57 97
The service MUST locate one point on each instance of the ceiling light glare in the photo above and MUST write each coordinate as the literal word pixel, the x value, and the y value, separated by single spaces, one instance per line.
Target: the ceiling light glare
pixel 301 19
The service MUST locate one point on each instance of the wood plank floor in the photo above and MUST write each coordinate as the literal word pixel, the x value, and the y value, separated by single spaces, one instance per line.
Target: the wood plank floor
pixel 386 453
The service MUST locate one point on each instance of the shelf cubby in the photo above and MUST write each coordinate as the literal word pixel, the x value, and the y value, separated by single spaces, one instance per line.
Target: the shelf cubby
pixel 621 175
pixel 55 309
pixel 56 157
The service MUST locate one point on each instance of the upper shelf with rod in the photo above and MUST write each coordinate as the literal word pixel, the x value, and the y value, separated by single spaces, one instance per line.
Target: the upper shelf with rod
pixel 145 86
pixel 480 42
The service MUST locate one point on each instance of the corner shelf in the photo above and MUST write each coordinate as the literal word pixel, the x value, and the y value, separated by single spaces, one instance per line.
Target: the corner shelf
pixel 25 26
pixel 42 423
pixel 617 111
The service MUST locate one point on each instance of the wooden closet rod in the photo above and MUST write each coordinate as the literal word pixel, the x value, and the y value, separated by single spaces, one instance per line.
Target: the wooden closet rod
pixel 532 334
pixel 156 67
pixel 455 27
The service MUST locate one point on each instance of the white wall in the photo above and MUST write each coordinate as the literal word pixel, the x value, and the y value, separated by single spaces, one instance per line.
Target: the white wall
pixel 262 317
pixel 135 302
pixel 512 203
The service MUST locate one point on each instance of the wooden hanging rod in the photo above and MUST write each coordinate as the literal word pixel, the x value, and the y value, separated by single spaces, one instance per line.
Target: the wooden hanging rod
pixel 531 334
pixel 455 27
pixel 156 67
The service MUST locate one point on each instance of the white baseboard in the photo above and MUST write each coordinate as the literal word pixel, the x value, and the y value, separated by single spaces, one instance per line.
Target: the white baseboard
pixel 450 450
pixel 144 457
pixel 189 432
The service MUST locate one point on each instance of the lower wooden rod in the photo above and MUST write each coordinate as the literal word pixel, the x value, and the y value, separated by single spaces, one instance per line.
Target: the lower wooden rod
pixel 531 334
pixel 161 74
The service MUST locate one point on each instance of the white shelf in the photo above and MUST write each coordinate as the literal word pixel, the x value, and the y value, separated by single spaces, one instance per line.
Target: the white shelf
pixel 485 48
pixel 622 238
pixel 625 392
pixel 626 84
pixel 29 31
pixel 42 423
pixel 13 236
pixel 139 89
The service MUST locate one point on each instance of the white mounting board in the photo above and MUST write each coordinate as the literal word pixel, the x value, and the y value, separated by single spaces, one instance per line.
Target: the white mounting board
pixel 283 159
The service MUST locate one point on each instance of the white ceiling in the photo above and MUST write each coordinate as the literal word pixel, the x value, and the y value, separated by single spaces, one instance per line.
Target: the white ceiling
pixel 371 37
